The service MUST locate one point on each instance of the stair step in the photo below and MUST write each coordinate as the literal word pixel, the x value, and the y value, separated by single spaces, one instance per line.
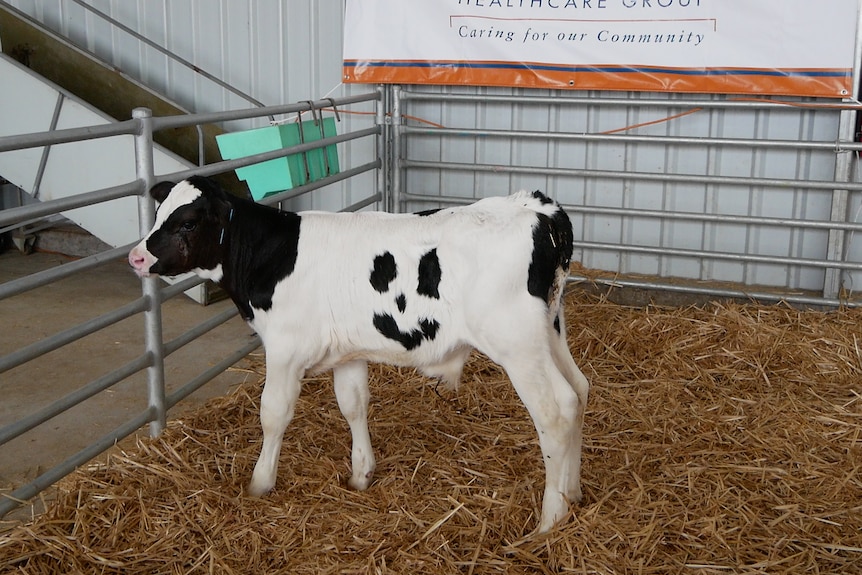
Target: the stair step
pixel 70 240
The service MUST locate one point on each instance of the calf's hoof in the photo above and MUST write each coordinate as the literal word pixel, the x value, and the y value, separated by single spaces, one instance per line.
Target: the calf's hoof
pixel 361 482
pixel 258 488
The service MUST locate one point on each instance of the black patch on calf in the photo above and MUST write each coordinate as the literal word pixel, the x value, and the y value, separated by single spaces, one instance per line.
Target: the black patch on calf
pixel 552 249
pixel 424 213
pixel 268 261
pixel 401 302
pixel 429 328
pixel 262 244
pixel 384 272
pixel 387 327
pixel 429 275
pixel 557 323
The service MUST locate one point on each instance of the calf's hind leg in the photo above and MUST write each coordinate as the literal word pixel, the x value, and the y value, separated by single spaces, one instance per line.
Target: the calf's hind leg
pixel 558 416
pixel 351 391
pixel 567 366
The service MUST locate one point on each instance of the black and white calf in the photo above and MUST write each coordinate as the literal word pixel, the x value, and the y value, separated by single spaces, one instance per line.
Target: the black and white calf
pixel 334 291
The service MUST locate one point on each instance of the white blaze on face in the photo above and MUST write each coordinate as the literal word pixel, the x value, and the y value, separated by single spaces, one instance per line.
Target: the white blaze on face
pixel 181 194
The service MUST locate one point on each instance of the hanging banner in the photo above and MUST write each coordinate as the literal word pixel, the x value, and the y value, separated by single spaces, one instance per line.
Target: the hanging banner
pixel 774 47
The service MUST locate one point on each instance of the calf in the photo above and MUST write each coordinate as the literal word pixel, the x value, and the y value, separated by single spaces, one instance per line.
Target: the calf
pixel 335 291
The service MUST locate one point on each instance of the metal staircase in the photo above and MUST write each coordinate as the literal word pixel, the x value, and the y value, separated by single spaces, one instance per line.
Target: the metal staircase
pixel 30 103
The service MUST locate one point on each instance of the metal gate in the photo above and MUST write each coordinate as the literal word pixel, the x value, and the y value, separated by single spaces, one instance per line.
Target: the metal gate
pixel 738 196
pixel 141 127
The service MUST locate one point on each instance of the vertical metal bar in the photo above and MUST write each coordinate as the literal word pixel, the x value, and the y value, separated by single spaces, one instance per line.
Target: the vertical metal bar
pixel 839 211
pixel 150 286
pixel 396 149
pixel 382 174
pixel 835 249
pixel 202 155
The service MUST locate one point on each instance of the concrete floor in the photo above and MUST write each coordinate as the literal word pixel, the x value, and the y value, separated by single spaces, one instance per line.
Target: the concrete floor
pixel 29 317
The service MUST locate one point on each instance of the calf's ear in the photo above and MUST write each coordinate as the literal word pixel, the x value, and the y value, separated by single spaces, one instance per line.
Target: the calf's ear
pixel 161 190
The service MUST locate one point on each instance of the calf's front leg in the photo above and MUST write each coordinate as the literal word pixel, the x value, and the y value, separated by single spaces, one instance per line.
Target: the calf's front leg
pixel 277 404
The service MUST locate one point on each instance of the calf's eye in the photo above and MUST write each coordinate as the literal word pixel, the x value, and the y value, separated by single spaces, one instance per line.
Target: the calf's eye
pixel 188 226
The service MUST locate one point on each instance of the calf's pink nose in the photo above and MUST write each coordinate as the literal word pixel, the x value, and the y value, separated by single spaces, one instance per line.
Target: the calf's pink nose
pixel 136 259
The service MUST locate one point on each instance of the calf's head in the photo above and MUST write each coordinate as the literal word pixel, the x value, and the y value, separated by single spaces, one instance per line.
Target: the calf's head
pixel 189 232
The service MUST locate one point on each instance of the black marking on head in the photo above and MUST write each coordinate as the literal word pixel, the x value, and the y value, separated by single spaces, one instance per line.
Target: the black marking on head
pixel 557 323
pixel 401 302
pixel 542 198
pixel 552 249
pixel 384 272
pixel 260 246
pixel 424 213
pixel 387 327
pixel 161 190
pixel 188 237
pixel 429 275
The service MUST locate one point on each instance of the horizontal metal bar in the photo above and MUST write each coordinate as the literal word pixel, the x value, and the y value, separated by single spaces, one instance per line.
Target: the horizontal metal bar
pixel 645 176
pixel 199 330
pixel 179 394
pixel 664 251
pixel 304 189
pixel 13 430
pixel 590 100
pixel 179 287
pixel 50 275
pixel 714 291
pixel 363 203
pixel 38 210
pixel 227 165
pixel 834 146
pixel 715 218
pixel 35 139
pixel 656 214
pixel 297 149
pixel 44 223
pixel 74 333
pixel 11 501
pixel 167 122
pixel 703 254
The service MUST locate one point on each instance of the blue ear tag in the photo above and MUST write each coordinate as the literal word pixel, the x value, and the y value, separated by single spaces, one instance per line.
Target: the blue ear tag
pixel 221 236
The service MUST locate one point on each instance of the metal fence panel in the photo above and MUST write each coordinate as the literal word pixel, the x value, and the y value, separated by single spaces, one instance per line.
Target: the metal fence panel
pixel 156 348
pixel 731 158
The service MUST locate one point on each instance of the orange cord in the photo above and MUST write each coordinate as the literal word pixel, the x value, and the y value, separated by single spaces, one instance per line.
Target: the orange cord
pixel 659 121
pixel 763 100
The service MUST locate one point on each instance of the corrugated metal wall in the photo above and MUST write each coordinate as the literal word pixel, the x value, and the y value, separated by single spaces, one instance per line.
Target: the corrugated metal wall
pixel 282 52
pixel 278 52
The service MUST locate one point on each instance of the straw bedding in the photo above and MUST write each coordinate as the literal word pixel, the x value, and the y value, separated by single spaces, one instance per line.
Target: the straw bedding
pixel 719 439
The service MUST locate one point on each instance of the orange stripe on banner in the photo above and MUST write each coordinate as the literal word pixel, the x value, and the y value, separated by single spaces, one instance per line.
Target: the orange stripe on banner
pixel 828 83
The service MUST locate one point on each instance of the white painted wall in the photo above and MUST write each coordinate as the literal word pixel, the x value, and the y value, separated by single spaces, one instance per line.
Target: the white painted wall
pixel 27 104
